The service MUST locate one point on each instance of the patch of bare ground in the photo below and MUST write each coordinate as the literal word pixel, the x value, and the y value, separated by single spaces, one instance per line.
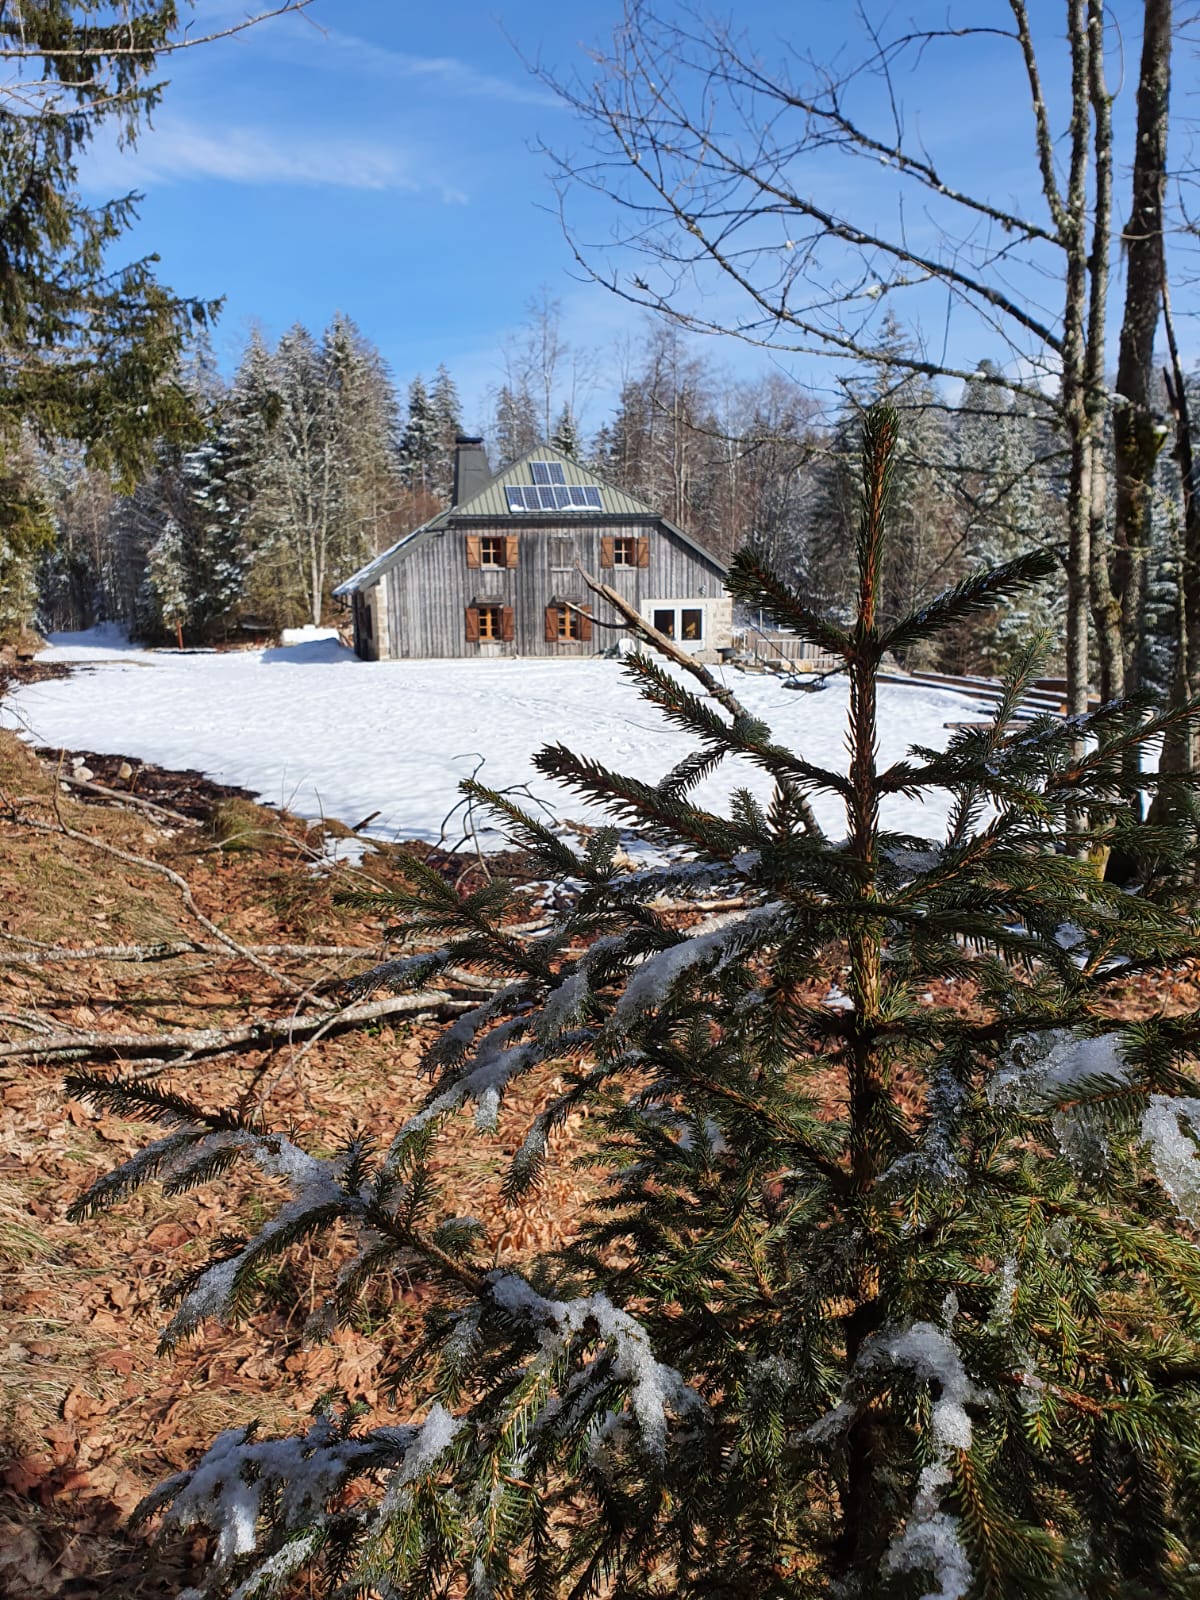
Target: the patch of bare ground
pixel 90 1416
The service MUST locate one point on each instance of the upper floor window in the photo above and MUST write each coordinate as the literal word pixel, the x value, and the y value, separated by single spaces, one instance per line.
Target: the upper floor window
pixel 492 550
pixel 624 550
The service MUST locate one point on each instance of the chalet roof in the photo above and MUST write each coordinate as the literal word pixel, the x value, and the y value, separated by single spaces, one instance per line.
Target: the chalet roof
pixel 492 500
pixel 494 504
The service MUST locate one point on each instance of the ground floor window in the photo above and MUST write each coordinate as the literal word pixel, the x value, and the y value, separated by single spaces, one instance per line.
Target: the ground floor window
pixel 680 622
pixel 567 623
pixel 488 622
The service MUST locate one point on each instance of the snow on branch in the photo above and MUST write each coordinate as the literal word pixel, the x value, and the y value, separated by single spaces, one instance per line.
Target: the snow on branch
pixel 718 943
pixel 318 1195
pixel 297 1476
pixel 654 1387
pixel 930 1541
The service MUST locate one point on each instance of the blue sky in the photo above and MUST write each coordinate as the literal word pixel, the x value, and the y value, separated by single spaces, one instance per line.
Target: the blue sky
pixel 379 159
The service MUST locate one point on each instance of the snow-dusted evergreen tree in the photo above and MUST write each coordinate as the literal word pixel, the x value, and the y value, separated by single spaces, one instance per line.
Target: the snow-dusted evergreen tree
pixel 299 509
pixel 447 425
pixel 365 421
pixel 1003 481
pixel 26 532
pixel 566 436
pixel 213 481
pixel 418 448
pixel 894 1286
pixel 168 601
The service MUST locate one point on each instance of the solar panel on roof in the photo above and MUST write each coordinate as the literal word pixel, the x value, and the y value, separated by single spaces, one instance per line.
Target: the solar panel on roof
pixel 547 472
pixel 552 497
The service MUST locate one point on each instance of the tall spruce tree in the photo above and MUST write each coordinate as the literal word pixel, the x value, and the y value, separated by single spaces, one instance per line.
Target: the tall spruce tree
pixel 447 425
pixel 566 436
pixel 88 348
pixel 1002 477
pixel 418 441
pixel 886 1295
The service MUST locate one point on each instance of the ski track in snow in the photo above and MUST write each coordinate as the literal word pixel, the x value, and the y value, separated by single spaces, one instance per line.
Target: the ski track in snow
pixel 312 728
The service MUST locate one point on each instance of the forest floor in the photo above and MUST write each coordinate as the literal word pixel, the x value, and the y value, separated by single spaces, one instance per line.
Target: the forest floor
pixel 90 1416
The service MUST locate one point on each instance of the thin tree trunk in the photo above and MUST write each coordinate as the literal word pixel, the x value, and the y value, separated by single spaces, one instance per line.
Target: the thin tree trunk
pixel 1106 611
pixel 1137 437
pixel 1073 387
pixel 1180 747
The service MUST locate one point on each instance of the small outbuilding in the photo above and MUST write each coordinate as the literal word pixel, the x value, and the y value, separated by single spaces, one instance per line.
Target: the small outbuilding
pixel 497 572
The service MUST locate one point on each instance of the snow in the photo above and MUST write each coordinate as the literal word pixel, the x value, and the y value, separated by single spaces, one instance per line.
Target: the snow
pixel 311 727
pixel 1057 1065
pixel 930 1542
pixel 930 1353
pixel 1171 1127
pixel 433 1438
pixel 308 634
pixel 225 1491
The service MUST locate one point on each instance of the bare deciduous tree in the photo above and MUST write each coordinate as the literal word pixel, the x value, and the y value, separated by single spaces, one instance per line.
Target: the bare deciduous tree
pixel 725 170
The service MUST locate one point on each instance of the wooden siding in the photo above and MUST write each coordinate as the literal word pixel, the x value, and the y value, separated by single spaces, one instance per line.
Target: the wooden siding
pixel 429 591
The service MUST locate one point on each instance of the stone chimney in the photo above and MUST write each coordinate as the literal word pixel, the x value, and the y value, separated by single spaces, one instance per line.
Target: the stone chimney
pixel 471 470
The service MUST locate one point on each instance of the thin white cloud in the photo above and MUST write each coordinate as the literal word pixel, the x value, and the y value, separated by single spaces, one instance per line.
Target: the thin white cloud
pixel 311 38
pixel 449 73
pixel 174 151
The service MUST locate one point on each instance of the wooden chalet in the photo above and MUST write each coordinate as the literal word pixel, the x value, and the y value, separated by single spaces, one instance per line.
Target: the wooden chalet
pixel 496 574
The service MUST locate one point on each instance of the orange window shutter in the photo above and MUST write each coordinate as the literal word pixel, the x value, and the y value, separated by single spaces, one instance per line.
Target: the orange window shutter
pixel 643 549
pixel 608 551
pixel 474 553
pixel 585 625
pixel 511 553
pixel 508 627
pixel 551 624
pixel 472 624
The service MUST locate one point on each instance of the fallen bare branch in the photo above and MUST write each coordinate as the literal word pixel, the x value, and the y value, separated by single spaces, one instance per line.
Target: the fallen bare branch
pixel 41 955
pixel 195 1044
pixel 133 802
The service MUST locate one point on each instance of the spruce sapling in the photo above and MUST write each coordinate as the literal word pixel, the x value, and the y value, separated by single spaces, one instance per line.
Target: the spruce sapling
pixel 886 1294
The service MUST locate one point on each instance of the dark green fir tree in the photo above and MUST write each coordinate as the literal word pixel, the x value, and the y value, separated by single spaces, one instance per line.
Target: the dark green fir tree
pixel 886 1295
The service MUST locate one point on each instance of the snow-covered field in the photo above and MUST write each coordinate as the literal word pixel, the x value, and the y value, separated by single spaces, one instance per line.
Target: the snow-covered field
pixel 310 727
